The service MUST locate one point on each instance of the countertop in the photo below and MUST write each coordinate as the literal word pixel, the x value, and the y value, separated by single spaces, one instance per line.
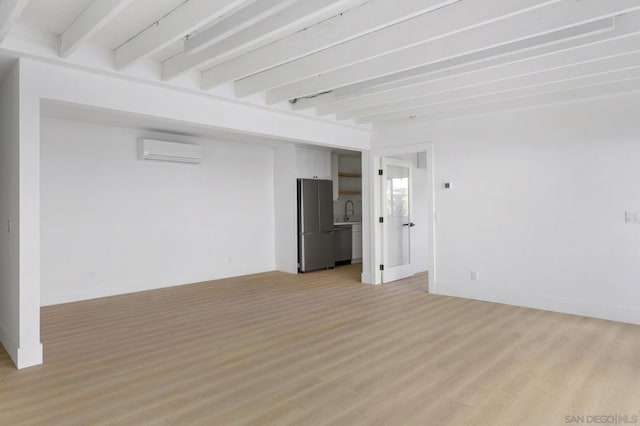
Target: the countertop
pixel 348 223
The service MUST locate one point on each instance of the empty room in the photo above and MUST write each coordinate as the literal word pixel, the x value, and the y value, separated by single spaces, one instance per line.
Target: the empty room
pixel 345 212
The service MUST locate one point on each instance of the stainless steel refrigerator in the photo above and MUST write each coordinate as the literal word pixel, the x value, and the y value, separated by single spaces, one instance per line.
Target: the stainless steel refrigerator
pixel 315 225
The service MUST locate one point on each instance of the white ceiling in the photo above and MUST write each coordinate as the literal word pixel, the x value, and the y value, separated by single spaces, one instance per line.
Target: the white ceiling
pixel 133 19
pixel 52 16
pixel 365 61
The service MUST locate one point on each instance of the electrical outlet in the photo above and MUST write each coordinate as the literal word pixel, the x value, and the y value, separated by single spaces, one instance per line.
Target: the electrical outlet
pixel 474 275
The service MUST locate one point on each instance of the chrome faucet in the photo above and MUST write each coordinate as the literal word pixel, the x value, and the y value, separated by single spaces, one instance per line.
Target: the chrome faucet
pixel 346 210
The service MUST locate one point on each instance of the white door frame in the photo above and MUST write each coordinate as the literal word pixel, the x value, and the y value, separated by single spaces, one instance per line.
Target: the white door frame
pixel 372 274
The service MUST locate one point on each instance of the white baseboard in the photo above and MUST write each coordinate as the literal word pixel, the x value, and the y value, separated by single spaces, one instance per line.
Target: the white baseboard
pixel 22 357
pixel 29 356
pixel 627 314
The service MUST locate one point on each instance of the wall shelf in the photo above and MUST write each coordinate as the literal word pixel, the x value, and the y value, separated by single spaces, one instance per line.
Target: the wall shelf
pixel 348 176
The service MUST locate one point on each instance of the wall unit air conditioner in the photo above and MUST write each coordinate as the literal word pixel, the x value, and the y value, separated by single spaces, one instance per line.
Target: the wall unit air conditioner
pixel 149 149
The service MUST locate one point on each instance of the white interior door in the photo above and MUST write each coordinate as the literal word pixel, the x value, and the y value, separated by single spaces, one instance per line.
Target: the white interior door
pixel 397 225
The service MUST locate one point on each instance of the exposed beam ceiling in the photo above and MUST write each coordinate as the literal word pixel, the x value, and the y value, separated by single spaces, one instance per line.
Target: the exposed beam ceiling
pixel 10 11
pixel 401 37
pixel 521 92
pixel 245 18
pixel 180 22
pixel 570 95
pixel 93 19
pixel 542 20
pixel 581 35
pixel 579 75
pixel 370 16
pixel 297 17
pixel 553 61
pixel 363 61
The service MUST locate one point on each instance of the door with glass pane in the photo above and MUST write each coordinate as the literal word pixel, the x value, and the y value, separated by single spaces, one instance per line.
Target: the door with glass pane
pixel 397 225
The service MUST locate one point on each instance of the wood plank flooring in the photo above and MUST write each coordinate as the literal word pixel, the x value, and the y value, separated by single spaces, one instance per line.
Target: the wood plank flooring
pixel 315 349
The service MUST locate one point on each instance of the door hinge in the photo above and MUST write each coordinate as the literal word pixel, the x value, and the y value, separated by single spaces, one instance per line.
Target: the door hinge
pixel 381 219
pixel 382 267
pixel 380 172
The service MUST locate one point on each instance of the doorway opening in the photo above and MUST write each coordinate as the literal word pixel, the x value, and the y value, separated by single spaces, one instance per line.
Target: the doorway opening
pixel 330 213
pixel 347 211
pixel 347 206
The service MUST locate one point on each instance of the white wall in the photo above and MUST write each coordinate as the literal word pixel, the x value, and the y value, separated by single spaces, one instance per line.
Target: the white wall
pixel 9 211
pixel 112 224
pixel 40 81
pixel 286 209
pixel 538 205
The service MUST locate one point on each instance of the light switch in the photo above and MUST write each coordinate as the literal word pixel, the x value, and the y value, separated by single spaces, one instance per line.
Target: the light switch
pixel 633 218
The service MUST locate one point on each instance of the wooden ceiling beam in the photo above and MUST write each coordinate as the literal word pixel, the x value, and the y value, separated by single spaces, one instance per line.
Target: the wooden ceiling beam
pixel 182 21
pixel 91 20
pixel 244 18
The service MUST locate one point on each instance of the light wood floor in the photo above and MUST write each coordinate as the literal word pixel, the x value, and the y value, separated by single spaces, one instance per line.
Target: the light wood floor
pixel 319 349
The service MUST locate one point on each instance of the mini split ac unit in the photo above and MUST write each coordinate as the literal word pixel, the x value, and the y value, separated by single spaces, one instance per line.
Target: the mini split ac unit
pixel 149 149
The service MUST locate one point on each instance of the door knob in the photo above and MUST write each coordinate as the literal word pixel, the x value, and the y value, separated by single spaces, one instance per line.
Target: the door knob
pixel 410 225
